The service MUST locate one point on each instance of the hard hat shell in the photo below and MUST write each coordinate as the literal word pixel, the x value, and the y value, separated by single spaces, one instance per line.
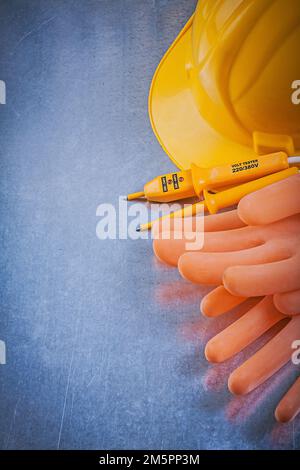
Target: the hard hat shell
pixel 223 91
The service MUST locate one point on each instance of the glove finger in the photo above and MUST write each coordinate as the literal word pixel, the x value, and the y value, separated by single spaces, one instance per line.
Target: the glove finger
pixel 263 279
pixel 274 202
pixel 266 362
pixel 171 245
pixel 223 221
pixel 243 332
pixel 211 223
pixel 289 407
pixel 219 301
pixel 288 302
pixel 208 268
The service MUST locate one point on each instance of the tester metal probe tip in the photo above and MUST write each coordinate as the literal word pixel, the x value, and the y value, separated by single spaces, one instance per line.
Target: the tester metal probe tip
pixel 133 196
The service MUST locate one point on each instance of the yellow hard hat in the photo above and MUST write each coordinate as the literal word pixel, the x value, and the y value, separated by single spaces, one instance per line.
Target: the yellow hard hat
pixel 223 91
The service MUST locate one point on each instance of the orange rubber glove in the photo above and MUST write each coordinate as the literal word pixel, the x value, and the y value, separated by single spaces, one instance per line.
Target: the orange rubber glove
pixel 240 334
pixel 252 260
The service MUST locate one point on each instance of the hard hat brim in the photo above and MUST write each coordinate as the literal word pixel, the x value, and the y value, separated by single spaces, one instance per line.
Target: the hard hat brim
pixel 177 123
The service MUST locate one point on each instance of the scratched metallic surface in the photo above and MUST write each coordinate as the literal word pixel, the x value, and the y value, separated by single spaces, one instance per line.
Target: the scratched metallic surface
pixel 104 344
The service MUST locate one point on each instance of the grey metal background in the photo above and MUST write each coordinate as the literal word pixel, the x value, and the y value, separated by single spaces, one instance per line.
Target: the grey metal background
pixel 104 345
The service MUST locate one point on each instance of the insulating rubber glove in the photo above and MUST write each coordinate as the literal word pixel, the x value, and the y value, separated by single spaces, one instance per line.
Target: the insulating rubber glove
pixel 240 334
pixel 227 233
pixel 261 258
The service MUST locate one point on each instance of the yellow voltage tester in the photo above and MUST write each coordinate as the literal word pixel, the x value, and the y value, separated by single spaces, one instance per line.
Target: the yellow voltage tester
pixel 191 183
pixel 229 197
